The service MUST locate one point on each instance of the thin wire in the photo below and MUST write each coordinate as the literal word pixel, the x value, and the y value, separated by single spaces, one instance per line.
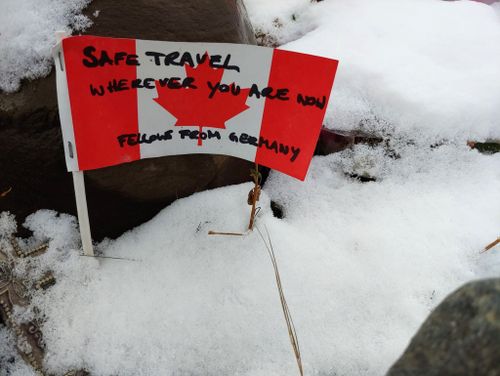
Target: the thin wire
pixel 257 211
pixel 110 257
pixel 292 333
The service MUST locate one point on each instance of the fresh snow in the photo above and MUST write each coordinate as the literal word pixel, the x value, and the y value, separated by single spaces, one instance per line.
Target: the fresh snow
pixel 27 29
pixel 362 264
pixel 11 363
pixel 429 67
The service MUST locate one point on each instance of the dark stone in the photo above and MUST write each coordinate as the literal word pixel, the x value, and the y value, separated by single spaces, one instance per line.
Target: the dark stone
pixel 119 197
pixel 362 178
pixel 332 141
pixel 487 147
pixel 188 20
pixel 277 209
pixel 461 336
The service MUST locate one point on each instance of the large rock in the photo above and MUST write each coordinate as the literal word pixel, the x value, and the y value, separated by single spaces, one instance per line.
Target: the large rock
pixel 120 197
pixel 461 336
pixel 332 141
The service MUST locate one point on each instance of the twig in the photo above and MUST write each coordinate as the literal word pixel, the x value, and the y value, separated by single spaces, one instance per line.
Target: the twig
pixel 491 245
pixel 286 311
pixel 255 193
pixel 253 197
pixel 225 233
pixel 3 194
pixel 110 257
pixel 32 252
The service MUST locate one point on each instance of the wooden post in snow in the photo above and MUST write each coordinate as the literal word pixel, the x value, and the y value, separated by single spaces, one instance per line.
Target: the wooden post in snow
pixel 83 213
pixel 80 196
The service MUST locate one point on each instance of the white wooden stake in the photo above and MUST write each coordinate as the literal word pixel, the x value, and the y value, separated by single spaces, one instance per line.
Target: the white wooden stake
pixel 81 198
pixel 83 213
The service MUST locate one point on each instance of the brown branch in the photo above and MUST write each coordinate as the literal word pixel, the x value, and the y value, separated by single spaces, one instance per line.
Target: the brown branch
pixel 491 245
pixel 3 194
pixel 225 233
pixel 254 195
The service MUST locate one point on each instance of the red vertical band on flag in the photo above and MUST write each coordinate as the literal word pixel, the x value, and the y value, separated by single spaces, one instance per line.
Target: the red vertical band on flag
pixel 100 114
pixel 290 128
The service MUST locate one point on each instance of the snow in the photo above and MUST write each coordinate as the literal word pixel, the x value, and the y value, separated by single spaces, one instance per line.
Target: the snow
pixel 10 362
pixel 362 264
pixel 496 6
pixel 421 66
pixel 27 30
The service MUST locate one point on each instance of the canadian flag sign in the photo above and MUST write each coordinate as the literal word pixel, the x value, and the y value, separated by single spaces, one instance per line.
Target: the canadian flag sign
pixel 121 100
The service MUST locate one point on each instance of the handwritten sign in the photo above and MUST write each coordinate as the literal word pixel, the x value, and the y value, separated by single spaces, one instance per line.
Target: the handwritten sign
pixel 124 99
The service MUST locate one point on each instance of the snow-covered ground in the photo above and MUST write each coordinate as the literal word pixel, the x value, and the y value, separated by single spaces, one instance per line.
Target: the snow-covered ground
pixel 27 29
pixel 362 263
pixel 428 67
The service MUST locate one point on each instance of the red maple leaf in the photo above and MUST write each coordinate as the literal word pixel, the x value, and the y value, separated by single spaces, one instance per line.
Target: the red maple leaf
pixel 193 107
